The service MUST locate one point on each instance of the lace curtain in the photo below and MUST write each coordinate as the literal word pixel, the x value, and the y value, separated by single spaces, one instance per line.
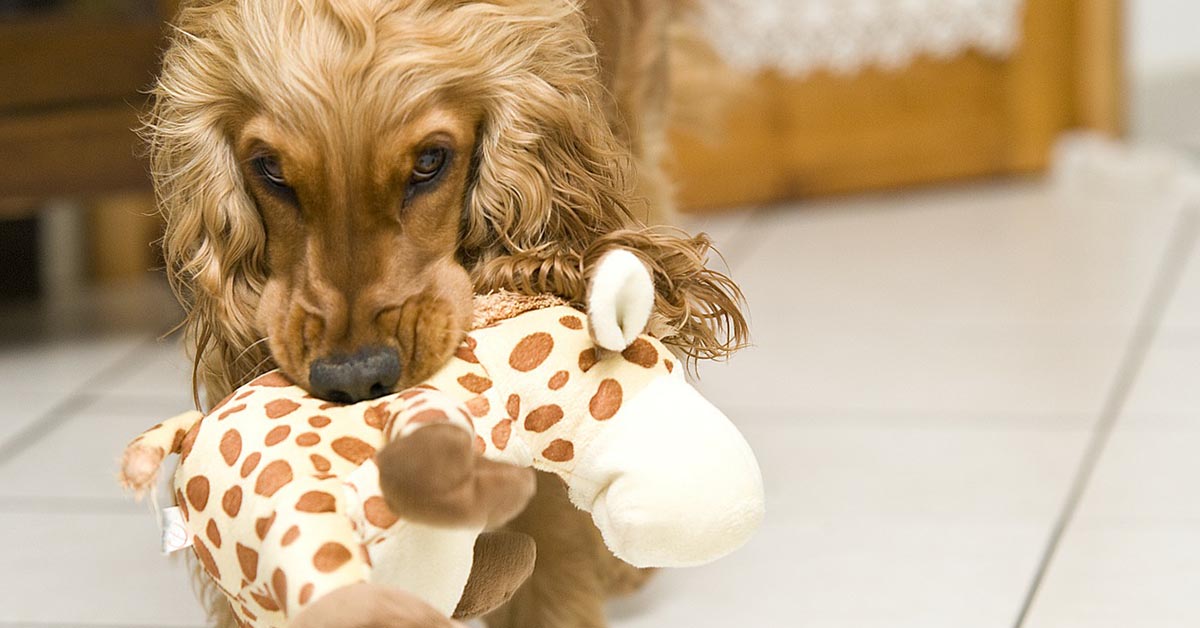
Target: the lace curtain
pixel 844 36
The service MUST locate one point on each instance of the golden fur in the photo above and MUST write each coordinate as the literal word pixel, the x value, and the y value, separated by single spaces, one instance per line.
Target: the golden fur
pixel 552 115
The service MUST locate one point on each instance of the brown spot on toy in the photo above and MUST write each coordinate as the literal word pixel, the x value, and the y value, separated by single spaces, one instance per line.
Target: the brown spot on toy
pixel 432 415
pixel 265 602
pixel 606 401
pixel 220 404
pixel 182 504
pixel 475 383
pixel 206 558
pixel 234 410
pixel 306 592
pixel 466 354
pixel 352 449
pixel 177 441
pixel 543 418
pixel 277 435
pixel 308 439
pixel 290 536
pixel 316 501
pixel 559 380
pixel 197 492
pixel 213 533
pixel 245 394
pixel 559 450
pixel 281 408
pixel 670 366
pixel 319 421
pixel 263 525
pixel 501 433
pixel 330 556
pixel 231 502
pixel 274 379
pixel 377 415
pixel 513 407
pixel 378 514
pixel 273 477
pixel 479 406
pixel 531 351
pixel 587 359
pixel 189 440
pixel 571 322
pixel 250 463
pixel 480 445
pixel 641 353
pixel 231 446
pixel 320 463
pixel 279 585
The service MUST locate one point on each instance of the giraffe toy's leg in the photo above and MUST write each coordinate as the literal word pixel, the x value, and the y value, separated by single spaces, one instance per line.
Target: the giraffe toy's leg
pixel 370 605
pixel 309 548
pixel 433 472
pixel 431 495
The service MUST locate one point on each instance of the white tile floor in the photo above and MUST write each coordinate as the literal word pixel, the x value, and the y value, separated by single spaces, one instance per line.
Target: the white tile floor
pixel 974 407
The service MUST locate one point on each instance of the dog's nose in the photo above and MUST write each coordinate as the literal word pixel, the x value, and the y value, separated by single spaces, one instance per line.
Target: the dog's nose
pixel 368 374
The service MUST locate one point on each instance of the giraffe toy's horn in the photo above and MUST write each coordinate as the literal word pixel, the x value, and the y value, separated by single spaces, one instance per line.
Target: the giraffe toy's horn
pixel 620 300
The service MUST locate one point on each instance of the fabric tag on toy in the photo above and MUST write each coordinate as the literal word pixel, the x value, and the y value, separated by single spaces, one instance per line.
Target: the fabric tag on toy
pixel 175 535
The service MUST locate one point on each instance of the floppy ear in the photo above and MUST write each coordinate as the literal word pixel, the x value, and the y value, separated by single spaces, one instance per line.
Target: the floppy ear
pixel 214 239
pixel 546 160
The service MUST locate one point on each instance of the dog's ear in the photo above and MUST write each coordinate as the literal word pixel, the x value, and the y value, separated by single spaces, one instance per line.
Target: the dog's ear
pixel 214 238
pixel 546 160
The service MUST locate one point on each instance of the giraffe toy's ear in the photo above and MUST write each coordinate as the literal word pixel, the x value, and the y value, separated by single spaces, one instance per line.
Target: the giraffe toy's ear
pixel 620 300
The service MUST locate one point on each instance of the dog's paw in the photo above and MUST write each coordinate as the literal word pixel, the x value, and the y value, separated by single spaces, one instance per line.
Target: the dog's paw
pixel 434 476
pixel 620 300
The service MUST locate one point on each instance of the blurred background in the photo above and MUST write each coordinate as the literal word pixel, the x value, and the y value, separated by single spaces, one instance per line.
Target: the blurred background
pixel 966 230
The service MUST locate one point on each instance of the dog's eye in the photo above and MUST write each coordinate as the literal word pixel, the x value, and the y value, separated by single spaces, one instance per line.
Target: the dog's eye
pixel 271 171
pixel 429 164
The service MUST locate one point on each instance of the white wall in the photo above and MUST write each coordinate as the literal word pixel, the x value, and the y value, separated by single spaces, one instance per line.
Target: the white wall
pixel 1163 57
pixel 1163 36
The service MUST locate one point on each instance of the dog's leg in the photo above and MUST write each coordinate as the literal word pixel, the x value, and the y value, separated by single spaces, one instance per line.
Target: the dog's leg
pixel 434 476
pixel 567 589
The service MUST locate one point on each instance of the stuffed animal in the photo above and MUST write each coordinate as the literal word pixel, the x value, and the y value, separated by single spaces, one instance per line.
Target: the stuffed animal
pixel 284 496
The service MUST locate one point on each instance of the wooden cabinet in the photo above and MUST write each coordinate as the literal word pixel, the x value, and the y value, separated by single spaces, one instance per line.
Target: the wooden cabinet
pixel 72 77
pixel 974 116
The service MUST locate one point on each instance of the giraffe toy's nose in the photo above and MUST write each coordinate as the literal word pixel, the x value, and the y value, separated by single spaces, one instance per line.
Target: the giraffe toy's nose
pixel 368 374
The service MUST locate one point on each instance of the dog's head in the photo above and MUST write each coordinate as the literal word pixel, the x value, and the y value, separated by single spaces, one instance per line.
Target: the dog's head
pixel 333 172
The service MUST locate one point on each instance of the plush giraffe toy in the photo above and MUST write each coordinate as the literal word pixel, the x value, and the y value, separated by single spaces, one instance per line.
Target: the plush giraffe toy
pixel 282 495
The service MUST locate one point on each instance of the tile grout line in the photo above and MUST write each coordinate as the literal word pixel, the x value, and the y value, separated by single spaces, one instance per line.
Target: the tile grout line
pixel 71 404
pixel 1165 284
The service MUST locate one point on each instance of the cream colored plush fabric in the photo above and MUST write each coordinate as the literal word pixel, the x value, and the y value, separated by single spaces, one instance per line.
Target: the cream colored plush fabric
pixel 282 495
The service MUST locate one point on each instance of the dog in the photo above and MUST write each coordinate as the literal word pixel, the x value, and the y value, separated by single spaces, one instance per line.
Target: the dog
pixel 339 177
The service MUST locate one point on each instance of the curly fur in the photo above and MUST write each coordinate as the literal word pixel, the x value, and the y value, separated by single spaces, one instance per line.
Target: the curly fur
pixel 565 166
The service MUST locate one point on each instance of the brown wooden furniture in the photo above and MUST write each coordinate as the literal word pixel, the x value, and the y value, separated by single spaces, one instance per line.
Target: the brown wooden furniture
pixel 934 121
pixel 73 88
pixel 72 92
pixel 72 95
